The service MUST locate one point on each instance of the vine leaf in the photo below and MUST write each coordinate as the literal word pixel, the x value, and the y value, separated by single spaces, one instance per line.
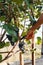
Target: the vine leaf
pixel 7 44
pixel 2 44
pixel 12 30
pixel 38 40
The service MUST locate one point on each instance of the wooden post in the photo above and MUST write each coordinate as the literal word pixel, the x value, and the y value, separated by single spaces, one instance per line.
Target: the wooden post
pixel 33 54
pixel 21 59
pixel 34 27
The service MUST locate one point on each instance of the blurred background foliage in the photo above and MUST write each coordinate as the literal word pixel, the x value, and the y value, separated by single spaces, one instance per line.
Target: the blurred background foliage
pixel 15 12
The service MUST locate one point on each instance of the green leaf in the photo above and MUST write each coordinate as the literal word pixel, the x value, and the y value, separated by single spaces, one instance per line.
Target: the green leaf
pixel 2 18
pixel 24 33
pixel 7 44
pixel 2 44
pixel 27 2
pixel 38 40
pixel 0 58
pixel 1 0
pixel 12 30
pixel 18 1
pixel 14 39
pixel 28 41
pixel 9 1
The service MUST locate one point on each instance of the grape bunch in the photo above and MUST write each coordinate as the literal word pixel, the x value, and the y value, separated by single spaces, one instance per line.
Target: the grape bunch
pixel 21 46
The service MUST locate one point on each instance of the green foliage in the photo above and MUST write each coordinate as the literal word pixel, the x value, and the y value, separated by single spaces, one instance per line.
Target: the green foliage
pixel 30 1
pixel 38 40
pixel 2 44
pixel 13 10
pixel 24 33
pixel 19 10
pixel 18 1
pixel 12 30
pixel 14 39
pixel 9 1
pixel 1 0
pixel 28 41
pixel 7 44
pixel 2 18
pixel 33 21
pixel 0 58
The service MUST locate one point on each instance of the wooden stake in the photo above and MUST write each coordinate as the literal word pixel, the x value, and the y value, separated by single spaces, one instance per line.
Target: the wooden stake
pixel 21 59
pixel 35 26
pixel 33 54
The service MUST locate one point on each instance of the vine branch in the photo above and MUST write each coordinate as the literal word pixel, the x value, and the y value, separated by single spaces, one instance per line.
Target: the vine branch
pixel 8 53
